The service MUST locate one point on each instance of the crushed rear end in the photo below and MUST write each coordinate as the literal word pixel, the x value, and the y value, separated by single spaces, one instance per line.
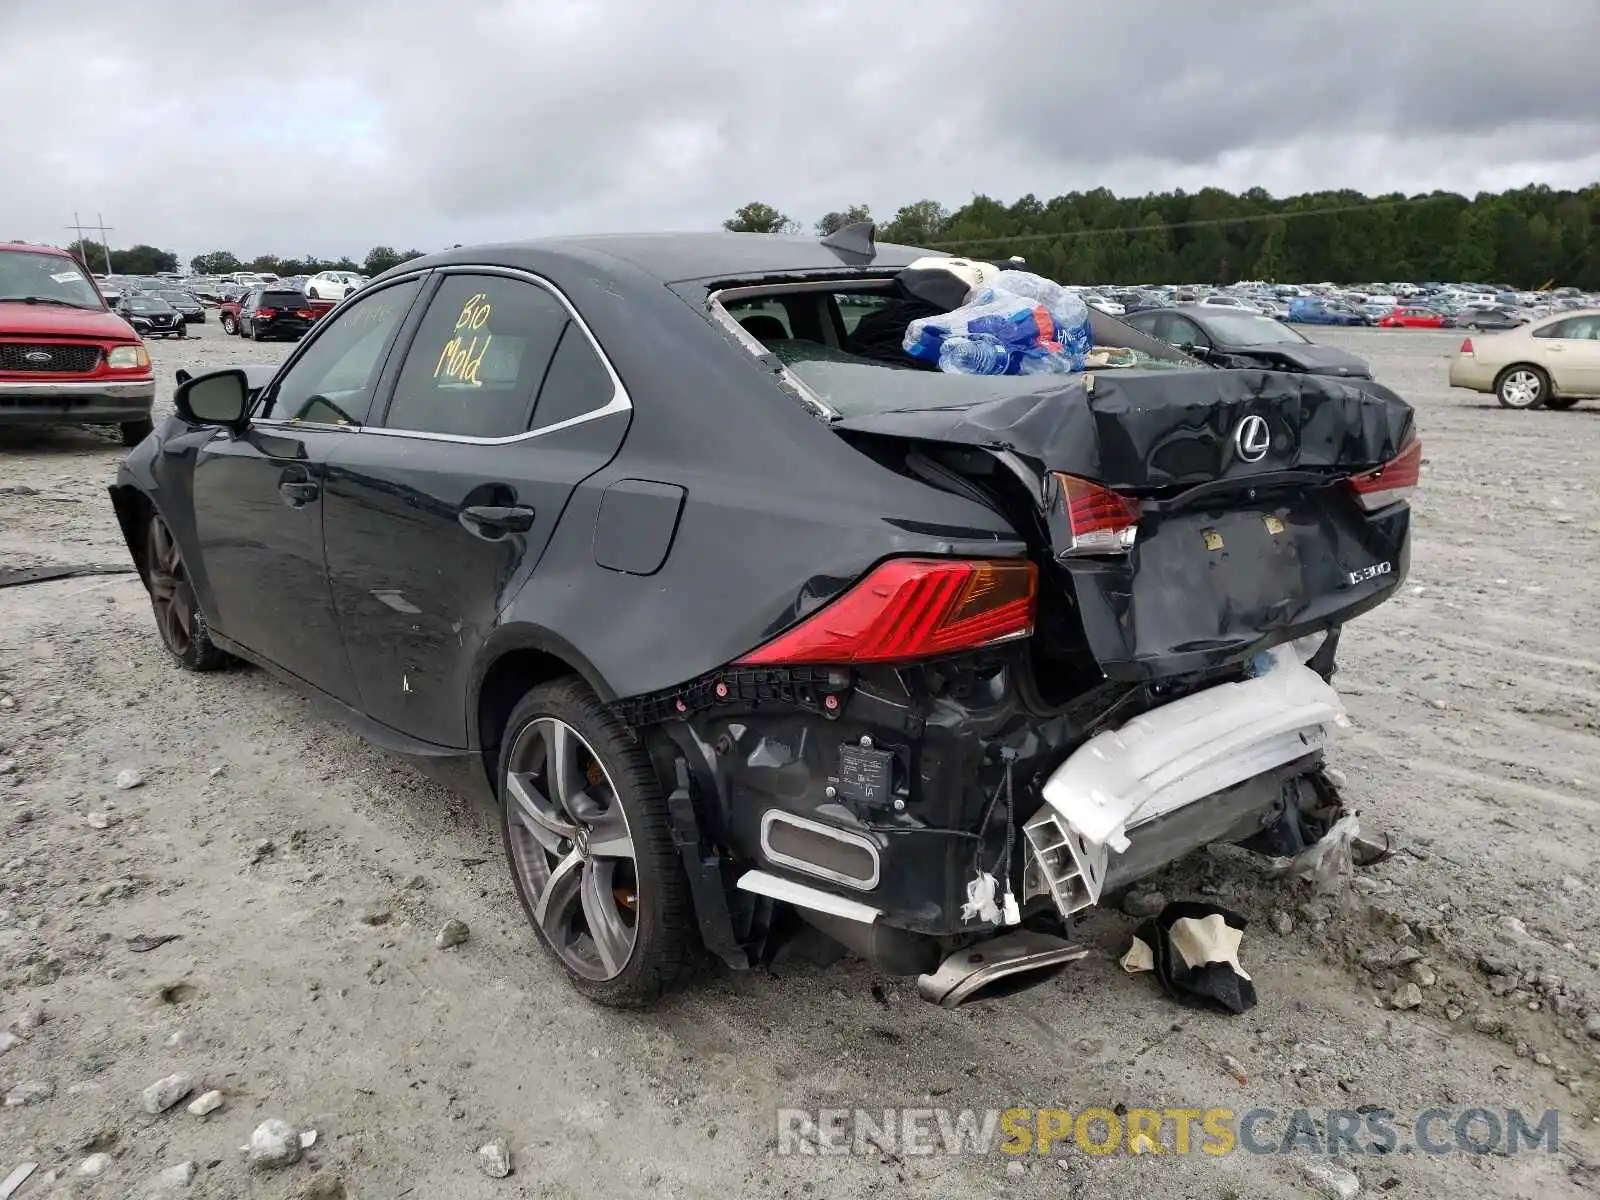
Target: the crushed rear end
pixel 1145 670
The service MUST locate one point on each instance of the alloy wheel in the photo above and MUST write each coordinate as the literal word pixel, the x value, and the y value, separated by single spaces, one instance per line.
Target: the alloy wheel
pixel 572 848
pixel 171 595
pixel 1521 389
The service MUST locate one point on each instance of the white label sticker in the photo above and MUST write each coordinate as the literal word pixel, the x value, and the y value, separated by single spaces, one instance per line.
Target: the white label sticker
pixel 67 277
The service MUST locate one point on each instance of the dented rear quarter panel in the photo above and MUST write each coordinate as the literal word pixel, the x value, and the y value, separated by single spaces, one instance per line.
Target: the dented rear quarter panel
pixel 779 513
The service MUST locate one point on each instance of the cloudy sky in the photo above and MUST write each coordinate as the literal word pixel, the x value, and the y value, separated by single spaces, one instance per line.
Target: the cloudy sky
pixel 328 126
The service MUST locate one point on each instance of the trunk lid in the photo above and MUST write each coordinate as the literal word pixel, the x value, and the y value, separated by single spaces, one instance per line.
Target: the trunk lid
pixel 1235 523
pixel 1145 431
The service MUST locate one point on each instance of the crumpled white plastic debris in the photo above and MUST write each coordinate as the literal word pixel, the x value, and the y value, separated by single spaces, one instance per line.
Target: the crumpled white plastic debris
pixel 1328 864
pixel 980 903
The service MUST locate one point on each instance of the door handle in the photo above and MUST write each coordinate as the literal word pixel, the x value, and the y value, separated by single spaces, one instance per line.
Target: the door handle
pixel 494 520
pixel 298 492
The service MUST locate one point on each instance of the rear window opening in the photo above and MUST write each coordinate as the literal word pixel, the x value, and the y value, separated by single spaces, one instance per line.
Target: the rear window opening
pixel 841 343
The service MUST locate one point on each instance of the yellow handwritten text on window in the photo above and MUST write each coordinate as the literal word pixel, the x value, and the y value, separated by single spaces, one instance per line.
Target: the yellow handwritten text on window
pixel 460 359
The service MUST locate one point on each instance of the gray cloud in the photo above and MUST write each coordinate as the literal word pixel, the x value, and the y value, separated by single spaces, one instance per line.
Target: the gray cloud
pixel 310 126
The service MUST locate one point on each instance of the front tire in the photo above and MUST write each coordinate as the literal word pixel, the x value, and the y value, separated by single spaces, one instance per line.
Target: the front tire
pixel 1522 387
pixel 229 325
pixel 590 848
pixel 179 620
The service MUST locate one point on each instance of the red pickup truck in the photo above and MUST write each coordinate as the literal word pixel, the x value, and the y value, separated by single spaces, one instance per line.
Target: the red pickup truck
pixel 64 356
pixel 266 313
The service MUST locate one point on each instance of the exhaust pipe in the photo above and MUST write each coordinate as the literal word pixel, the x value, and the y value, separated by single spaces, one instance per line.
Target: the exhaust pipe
pixel 1020 957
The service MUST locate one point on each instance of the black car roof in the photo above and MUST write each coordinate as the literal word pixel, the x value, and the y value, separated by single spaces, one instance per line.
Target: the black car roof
pixel 676 257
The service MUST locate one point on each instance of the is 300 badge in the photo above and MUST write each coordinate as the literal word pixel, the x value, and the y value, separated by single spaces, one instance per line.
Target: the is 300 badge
pixel 1370 572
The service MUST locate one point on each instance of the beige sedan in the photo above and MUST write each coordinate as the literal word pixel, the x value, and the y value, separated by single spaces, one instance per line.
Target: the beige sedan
pixel 1552 363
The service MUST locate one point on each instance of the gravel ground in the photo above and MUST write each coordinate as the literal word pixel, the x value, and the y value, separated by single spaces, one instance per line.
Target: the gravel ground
pixel 306 875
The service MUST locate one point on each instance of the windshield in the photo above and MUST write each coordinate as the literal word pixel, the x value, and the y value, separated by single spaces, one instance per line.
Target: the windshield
pixel 177 297
pixel 1247 329
pixel 149 304
pixel 48 277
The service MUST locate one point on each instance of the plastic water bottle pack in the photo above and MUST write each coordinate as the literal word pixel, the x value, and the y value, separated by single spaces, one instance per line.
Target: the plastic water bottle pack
pixel 1020 324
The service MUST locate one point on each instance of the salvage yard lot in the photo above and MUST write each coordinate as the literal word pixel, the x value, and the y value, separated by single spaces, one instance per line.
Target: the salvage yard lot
pixel 306 874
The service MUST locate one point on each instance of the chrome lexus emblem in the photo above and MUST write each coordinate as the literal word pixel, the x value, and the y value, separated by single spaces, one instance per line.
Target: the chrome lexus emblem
pixel 38 356
pixel 1252 439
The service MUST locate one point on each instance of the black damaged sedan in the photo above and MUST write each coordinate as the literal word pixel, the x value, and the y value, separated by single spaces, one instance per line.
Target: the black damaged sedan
pixel 749 622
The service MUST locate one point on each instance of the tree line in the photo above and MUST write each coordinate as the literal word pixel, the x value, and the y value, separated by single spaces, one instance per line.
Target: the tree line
pixel 150 260
pixel 1527 238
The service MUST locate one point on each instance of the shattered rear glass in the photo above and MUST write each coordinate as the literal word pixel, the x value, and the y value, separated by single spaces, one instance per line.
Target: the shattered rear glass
pixel 855 386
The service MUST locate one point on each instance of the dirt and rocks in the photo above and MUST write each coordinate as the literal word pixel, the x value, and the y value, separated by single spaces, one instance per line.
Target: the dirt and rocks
pixel 210 892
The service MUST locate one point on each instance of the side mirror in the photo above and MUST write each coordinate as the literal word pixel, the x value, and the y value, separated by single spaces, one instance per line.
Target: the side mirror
pixel 219 398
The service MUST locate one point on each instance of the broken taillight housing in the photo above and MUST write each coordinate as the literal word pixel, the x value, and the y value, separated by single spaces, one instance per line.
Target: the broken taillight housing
pixel 912 608
pixel 1102 521
pixel 1391 483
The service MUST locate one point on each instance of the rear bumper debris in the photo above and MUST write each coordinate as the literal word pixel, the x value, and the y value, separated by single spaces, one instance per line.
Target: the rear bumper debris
pixel 1165 760
pixel 972 969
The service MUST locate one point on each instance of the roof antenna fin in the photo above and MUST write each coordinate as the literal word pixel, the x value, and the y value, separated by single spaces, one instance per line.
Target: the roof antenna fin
pixel 859 239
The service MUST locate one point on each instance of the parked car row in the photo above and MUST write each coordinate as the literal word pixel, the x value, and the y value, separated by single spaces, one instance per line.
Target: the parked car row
pixel 1389 306
pixel 214 289
pixel 72 344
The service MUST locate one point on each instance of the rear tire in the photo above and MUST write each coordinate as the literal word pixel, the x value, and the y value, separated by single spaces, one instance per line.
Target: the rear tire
pixel 229 325
pixel 1561 403
pixel 179 620
pixel 1522 386
pixel 605 793
pixel 134 432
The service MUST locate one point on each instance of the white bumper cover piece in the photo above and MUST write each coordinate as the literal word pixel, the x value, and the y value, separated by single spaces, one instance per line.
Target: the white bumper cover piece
pixel 1165 759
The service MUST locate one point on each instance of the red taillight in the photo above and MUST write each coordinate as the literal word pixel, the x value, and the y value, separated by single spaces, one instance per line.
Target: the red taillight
pixel 304 314
pixel 1466 346
pixel 1392 482
pixel 1102 521
pixel 911 608
pixel 266 314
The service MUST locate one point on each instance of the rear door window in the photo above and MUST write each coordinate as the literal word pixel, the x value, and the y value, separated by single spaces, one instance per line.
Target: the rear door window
pixel 576 383
pixel 478 358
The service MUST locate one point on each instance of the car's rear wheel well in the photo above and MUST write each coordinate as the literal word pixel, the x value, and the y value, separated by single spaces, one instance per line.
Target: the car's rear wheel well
pixel 133 509
pixel 1546 384
pixel 511 677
